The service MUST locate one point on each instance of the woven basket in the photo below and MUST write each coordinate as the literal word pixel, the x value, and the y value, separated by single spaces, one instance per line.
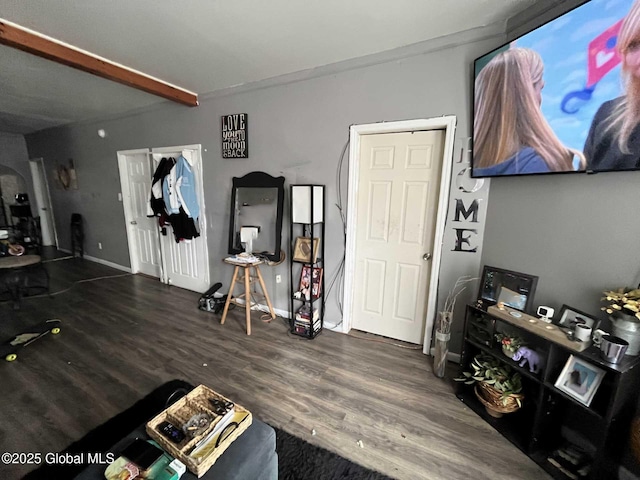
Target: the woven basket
pixel 492 400
pixel 196 401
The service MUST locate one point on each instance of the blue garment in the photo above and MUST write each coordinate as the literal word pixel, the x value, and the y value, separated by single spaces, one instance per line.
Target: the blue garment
pixel 524 161
pixel 179 189
pixel 186 188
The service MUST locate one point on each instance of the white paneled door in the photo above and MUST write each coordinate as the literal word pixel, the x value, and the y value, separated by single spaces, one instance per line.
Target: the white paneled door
pixel 142 231
pixel 186 264
pixel 397 202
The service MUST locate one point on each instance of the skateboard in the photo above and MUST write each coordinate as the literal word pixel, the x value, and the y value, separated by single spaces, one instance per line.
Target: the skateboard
pixel 9 348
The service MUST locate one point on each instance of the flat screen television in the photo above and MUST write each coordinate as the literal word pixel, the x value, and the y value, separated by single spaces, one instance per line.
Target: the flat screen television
pixel 561 98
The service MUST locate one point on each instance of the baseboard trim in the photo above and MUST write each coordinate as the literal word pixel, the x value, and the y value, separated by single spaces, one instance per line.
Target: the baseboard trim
pixel 451 356
pixel 285 314
pixel 264 308
pixel 102 262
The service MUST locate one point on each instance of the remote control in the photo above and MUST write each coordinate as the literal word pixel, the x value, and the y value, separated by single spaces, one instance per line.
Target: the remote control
pixel 171 432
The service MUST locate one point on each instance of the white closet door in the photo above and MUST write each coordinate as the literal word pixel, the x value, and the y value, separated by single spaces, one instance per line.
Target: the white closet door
pixel 142 231
pixel 186 264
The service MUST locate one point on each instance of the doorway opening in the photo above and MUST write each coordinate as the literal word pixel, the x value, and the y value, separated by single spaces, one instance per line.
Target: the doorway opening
pixel 153 249
pixel 43 204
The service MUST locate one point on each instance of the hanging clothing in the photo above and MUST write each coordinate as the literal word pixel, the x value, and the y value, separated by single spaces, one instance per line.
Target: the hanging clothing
pixel 186 188
pixel 184 227
pixel 173 196
pixel 156 207
pixel 179 189
pixel 169 193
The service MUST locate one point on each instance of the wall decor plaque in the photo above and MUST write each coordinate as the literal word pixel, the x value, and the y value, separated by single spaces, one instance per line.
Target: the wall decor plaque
pixel 235 142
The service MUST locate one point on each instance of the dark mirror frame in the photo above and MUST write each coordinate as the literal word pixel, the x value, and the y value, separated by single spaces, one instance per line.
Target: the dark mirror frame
pixel 258 180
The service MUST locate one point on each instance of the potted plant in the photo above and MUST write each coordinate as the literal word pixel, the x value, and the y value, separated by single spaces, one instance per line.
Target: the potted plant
pixel 623 307
pixel 510 343
pixel 498 387
pixel 443 326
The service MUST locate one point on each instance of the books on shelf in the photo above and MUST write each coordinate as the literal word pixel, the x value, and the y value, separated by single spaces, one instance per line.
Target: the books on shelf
pixel 304 320
pixel 304 314
pixel 571 460
pixel 310 283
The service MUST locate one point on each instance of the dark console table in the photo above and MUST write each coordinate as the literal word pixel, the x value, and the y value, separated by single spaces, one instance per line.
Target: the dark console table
pixel 549 417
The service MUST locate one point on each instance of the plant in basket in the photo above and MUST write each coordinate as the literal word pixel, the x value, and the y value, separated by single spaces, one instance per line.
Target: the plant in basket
pixel 498 387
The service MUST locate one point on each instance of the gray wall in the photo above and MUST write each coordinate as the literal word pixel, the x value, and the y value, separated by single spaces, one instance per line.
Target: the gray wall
pixel 298 126
pixel 578 233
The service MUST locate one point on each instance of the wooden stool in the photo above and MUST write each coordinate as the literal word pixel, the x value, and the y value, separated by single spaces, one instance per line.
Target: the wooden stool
pixel 248 280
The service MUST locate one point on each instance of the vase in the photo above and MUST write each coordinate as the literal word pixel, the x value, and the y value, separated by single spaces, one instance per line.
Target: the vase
pixel 440 353
pixel 507 352
pixel 627 327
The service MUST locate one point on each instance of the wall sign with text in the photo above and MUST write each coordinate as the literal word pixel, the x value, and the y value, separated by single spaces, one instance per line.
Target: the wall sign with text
pixel 235 143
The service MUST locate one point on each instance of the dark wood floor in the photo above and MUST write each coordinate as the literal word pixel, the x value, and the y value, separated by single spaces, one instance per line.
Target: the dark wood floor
pixel 124 336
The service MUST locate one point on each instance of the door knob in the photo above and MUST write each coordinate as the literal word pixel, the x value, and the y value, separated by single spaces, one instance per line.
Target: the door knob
pixel 426 256
pixel 133 222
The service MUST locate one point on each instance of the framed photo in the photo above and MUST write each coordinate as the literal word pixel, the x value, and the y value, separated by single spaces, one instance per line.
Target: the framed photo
pixel 316 284
pixel 514 289
pixel 570 316
pixel 580 380
pixel 302 250
pixel 310 284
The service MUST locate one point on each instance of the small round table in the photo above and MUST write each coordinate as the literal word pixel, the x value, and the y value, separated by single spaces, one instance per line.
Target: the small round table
pixel 14 275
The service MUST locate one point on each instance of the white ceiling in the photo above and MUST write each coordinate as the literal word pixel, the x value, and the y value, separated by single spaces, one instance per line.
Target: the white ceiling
pixel 206 45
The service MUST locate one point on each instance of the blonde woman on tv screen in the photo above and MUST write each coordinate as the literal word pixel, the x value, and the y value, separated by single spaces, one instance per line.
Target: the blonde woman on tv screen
pixel 613 142
pixel 511 135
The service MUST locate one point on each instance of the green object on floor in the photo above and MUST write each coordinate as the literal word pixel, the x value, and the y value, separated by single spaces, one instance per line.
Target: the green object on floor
pixel 9 349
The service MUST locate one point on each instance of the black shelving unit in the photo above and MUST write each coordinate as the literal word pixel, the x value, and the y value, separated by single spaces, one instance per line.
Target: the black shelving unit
pixel 307 209
pixel 549 417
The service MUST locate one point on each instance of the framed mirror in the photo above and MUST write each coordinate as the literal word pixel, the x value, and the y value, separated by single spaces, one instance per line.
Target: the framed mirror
pixel 255 222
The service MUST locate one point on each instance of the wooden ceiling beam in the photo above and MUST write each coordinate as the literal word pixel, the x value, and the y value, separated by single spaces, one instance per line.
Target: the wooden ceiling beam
pixel 35 43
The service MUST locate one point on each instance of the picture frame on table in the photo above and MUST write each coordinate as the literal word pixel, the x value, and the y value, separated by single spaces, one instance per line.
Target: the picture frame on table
pixel 514 289
pixel 569 317
pixel 580 379
pixel 302 250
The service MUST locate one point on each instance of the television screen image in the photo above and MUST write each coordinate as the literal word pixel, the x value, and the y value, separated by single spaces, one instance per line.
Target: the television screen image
pixel 563 97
